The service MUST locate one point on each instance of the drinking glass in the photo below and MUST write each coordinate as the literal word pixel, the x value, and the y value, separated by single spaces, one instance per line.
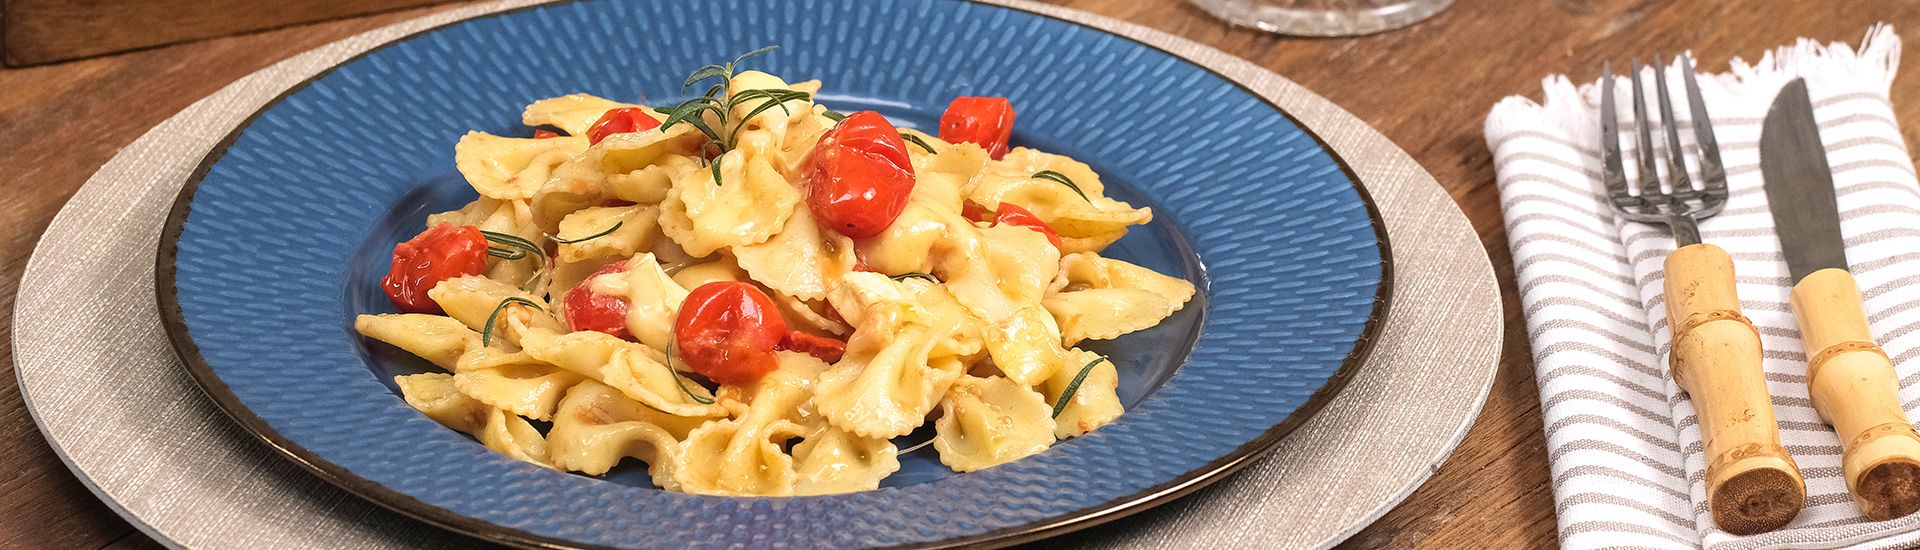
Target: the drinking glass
pixel 1323 17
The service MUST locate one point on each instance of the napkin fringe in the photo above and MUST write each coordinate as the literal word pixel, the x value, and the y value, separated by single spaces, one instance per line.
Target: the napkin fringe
pixel 1875 61
pixel 1569 107
pixel 1562 113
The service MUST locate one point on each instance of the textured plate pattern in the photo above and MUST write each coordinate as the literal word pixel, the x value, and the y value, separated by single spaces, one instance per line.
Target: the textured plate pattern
pixel 266 291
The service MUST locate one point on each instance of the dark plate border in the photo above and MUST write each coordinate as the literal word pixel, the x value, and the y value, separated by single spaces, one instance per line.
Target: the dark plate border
pixel 173 321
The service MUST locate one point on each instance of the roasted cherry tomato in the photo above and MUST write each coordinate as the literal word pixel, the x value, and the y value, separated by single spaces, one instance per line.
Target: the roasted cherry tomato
pixel 1011 214
pixel 543 133
pixel 587 310
pixel 827 349
pixel 727 331
pixel 986 121
pixel 858 177
pixel 441 252
pixel 621 121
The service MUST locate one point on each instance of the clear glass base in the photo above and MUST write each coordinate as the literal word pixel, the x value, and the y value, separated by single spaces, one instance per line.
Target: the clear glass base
pixel 1323 17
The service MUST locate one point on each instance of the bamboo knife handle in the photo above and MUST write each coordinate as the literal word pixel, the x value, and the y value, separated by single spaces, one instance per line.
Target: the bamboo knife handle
pixel 1854 387
pixel 1752 485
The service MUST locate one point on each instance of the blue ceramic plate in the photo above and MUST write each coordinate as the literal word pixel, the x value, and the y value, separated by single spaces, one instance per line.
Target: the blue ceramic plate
pixel 278 242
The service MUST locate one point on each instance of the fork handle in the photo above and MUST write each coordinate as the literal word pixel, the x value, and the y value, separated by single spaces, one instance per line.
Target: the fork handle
pixel 1854 388
pixel 1753 486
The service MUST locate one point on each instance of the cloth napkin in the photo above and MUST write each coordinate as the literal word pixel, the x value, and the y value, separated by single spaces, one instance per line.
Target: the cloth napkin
pixel 1622 438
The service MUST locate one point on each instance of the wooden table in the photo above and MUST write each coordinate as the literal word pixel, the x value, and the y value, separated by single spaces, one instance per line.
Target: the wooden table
pixel 1427 87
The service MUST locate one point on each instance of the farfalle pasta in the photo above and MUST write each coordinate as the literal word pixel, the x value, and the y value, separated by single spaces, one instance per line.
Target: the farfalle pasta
pixel 754 295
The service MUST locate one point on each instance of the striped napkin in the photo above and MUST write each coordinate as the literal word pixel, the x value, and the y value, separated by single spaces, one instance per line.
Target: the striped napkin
pixel 1622 437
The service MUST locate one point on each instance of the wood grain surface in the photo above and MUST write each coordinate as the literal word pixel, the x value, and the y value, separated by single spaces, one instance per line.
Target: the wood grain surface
pixel 1427 87
pixel 42 31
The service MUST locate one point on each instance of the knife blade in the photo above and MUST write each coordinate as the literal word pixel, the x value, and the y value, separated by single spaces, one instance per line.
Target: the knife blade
pixel 1799 184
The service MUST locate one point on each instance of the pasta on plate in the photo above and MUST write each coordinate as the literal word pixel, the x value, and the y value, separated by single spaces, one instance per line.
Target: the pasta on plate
pixel 752 294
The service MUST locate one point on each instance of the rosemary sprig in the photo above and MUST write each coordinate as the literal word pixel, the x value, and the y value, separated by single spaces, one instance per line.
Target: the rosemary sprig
pixel 694 111
pixel 928 277
pixel 602 233
pixel 677 381
pixel 835 115
pixel 512 247
pixel 1074 387
pixel 486 332
pixel 913 139
pixel 1063 180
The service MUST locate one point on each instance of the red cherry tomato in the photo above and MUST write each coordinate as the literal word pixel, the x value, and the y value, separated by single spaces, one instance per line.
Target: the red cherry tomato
pixel 827 349
pixel 727 331
pixel 858 177
pixel 544 134
pixel 987 121
pixel 441 252
pixel 1011 214
pixel 587 310
pixel 620 121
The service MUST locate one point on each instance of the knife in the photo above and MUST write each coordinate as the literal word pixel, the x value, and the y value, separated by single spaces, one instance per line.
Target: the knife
pixel 1850 380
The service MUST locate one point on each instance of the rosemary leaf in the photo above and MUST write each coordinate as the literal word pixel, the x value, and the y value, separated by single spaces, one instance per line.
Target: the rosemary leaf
pixel 744 56
pixel 510 242
pixel 704 73
pixel 1063 180
pixel 835 115
pixel 775 95
pixel 506 254
pixel 689 111
pixel 734 100
pixel 1074 387
pixel 701 125
pixel 486 333
pixel 602 233
pixel 913 139
pixel 681 381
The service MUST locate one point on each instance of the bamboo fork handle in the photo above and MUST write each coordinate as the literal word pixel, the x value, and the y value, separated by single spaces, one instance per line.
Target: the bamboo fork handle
pixel 1752 485
pixel 1853 387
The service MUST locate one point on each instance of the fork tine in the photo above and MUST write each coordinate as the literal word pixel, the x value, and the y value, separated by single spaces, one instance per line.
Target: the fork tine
pixel 1649 175
pixel 1676 156
pixel 1614 173
pixel 1713 174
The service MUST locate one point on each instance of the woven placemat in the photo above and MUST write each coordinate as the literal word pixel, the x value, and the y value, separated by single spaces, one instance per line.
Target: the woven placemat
pixel 113 400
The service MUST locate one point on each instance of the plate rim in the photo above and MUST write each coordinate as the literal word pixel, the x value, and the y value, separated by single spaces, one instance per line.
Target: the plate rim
pixel 173 323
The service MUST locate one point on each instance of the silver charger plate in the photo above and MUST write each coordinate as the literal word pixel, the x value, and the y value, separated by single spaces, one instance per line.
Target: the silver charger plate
pixel 116 405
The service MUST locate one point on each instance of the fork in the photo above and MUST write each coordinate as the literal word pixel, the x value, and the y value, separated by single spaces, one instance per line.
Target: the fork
pixel 1753 486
